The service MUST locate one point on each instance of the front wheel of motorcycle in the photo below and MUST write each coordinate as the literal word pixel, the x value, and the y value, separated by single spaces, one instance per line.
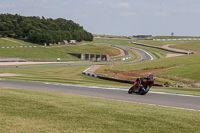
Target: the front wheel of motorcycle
pixel 130 91
pixel 144 90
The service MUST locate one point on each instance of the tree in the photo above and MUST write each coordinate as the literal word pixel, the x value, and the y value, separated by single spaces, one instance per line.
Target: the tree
pixel 41 30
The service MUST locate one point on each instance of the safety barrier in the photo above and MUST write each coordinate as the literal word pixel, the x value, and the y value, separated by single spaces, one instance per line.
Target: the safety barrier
pixel 166 49
pixel 22 46
pixel 12 60
pixel 112 79
pixel 177 39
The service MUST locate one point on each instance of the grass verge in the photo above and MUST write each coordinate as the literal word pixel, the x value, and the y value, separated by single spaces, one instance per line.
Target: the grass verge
pixel 35 111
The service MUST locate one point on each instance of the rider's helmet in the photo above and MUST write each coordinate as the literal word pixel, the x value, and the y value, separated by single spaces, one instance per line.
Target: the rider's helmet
pixel 150 76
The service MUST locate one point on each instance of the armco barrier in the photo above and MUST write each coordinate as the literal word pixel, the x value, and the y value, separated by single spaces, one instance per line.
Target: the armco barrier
pixel 112 79
pixel 22 47
pixel 177 39
pixel 166 49
pixel 12 60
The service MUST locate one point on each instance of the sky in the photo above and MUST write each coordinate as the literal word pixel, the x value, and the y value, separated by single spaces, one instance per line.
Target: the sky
pixel 117 17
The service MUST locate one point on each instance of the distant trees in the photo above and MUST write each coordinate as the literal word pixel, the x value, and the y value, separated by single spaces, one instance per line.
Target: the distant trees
pixel 41 30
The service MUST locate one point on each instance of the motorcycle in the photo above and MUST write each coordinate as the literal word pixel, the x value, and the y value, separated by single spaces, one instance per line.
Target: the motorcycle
pixel 142 85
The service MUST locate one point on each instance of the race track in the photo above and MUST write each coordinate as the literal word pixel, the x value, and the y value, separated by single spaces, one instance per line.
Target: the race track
pixel 176 101
pixel 169 100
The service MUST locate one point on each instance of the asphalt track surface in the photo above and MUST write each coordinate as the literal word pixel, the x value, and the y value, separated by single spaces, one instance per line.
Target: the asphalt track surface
pixel 168 100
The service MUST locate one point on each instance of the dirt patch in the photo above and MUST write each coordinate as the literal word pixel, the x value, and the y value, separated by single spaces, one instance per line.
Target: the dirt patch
pixel 173 55
pixel 167 45
pixel 9 75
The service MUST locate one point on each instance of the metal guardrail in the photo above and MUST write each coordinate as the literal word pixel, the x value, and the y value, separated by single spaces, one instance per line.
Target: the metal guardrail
pixel 21 47
pixel 113 79
pixel 12 60
pixel 166 49
pixel 177 39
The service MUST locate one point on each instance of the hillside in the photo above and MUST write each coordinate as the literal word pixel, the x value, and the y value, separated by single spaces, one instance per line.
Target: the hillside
pixel 183 68
pixel 35 52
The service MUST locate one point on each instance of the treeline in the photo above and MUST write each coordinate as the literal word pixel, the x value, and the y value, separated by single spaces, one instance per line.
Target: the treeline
pixel 42 30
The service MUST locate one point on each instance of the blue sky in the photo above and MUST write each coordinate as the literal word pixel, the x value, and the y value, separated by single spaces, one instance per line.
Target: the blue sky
pixel 117 17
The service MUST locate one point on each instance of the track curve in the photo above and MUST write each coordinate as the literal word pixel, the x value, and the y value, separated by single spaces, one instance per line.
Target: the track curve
pixel 144 56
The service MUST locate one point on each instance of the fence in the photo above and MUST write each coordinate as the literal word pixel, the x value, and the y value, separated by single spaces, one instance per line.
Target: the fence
pixel 177 39
pixel 20 47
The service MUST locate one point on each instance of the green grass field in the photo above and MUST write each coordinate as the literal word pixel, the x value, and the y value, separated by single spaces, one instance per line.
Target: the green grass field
pixel 187 71
pixel 188 45
pixel 34 111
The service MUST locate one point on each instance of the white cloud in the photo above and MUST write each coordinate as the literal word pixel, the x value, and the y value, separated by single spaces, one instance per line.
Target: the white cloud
pixel 121 5
pixel 161 14
pixel 128 14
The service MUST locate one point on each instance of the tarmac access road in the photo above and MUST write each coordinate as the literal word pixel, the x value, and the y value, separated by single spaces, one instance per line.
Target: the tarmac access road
pixel 166 100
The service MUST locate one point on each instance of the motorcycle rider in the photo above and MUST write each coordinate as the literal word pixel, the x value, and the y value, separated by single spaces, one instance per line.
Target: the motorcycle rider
pixel 150 77
pixel 139 81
